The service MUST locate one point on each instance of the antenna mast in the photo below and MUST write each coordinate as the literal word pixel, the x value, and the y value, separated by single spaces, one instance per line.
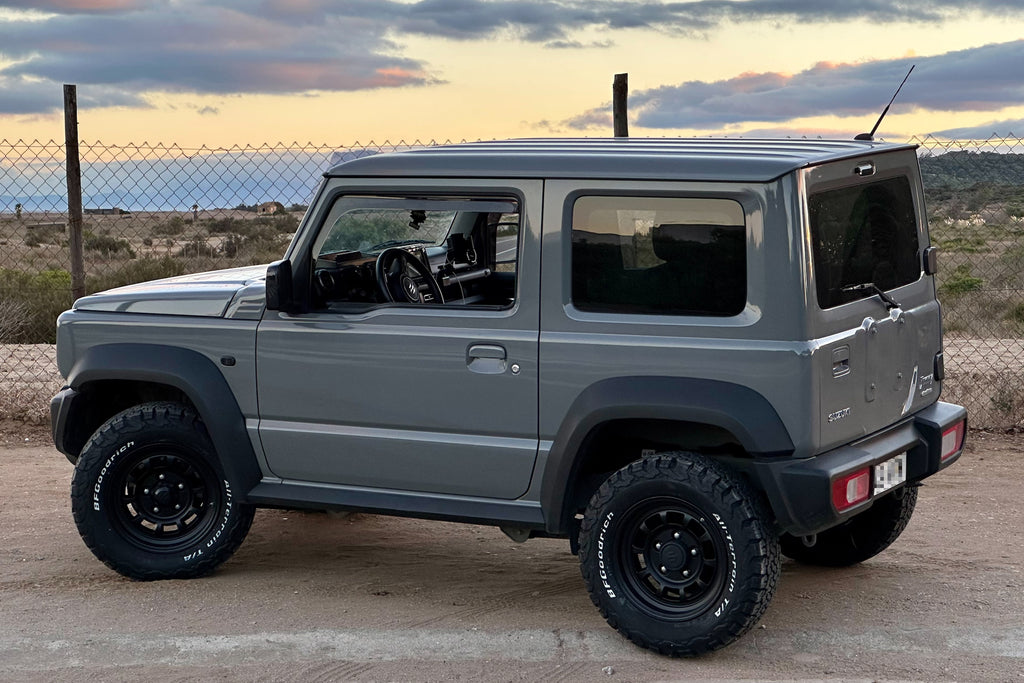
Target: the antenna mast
pixel 871 135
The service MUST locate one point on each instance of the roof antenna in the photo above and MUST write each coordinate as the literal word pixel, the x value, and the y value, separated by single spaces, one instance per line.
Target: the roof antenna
pixel 871 136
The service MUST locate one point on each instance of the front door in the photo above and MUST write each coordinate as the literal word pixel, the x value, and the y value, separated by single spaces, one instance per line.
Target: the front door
pixel 382 385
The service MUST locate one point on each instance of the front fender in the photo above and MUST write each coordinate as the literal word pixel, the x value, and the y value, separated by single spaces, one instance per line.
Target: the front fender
pixel 193 374
pixel 741 411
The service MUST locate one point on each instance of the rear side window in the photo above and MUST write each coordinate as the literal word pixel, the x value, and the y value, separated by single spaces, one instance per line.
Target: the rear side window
pixel 863 234
pixel 659 255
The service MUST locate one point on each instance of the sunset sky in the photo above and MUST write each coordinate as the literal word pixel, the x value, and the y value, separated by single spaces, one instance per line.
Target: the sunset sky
pixel 227 72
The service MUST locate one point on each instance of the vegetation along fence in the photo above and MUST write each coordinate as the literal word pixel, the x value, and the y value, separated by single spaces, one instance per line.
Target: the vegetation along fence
pixel 154 211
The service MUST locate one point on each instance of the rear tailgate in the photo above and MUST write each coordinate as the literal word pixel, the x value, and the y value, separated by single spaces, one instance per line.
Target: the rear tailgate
pixel 875 319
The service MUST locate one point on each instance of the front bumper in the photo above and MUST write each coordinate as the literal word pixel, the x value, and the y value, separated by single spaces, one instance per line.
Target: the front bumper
pixel 799 491
pixel 61 407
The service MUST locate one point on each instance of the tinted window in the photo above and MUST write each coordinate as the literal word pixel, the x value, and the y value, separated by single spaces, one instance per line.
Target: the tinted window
pixel 863 234
pixel 659 255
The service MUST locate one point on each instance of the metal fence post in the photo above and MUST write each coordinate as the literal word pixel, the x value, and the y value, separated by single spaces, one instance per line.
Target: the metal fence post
pixel 74 178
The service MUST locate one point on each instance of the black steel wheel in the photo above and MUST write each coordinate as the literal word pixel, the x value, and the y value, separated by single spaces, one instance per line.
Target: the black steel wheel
pixel 150 499
pixel 164 498
pixel 678 554
pixel 675 560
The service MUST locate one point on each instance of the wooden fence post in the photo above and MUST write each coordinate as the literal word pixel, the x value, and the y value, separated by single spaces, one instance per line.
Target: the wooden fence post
pixel 620 88
pixel 74 177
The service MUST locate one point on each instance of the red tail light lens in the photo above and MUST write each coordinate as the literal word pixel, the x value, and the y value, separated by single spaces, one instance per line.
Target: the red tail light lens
pixel 851 489
pixel 952 440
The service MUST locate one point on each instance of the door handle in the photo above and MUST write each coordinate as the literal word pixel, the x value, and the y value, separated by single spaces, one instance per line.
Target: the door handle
pixel 487 351
pixel 487 359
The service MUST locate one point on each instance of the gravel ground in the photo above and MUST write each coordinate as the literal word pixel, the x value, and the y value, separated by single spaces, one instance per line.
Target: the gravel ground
pixel 315 597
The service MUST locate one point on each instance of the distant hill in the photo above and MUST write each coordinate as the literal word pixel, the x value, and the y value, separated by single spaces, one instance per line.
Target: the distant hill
pixel 966 169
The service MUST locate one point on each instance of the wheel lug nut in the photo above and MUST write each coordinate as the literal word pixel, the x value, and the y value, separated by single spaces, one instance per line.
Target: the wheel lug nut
pixel 177 507
pixel 181 486
pixel 156 509
pixel 676 535
pixel 686 572
pixel 161 477
pixel 693 551
pixel 657 546
pixel 664 569
pixel 145 491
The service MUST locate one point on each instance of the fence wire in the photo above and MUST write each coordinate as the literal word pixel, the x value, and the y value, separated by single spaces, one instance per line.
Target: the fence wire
pixel 156 211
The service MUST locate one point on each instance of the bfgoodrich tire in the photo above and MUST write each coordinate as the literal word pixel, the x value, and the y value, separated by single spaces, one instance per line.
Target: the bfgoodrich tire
pixel 860 538
pixel 678 554
pixel 150 498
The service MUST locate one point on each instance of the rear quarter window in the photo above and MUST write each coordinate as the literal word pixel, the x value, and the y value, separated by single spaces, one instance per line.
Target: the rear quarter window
pixel 659 255
pixel 862 234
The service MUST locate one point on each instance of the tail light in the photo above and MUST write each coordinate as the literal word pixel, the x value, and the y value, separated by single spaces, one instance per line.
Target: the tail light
pixel 952 440
pixel 850 489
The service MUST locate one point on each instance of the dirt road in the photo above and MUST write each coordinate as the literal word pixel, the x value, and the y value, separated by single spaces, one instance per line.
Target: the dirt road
pixel 311 597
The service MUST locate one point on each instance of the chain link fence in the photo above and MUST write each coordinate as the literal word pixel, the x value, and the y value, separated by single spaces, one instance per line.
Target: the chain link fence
pixel 155 211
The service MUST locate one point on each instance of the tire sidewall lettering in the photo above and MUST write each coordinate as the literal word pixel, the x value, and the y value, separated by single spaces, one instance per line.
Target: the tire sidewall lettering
pixel 603 566
pixel 97 498
pixel 731 578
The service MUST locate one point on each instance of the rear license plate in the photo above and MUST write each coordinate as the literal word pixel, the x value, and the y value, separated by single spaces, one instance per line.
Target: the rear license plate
pixel 890 473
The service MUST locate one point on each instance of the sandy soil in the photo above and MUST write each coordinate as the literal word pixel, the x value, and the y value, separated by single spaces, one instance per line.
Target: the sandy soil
pixel 314 597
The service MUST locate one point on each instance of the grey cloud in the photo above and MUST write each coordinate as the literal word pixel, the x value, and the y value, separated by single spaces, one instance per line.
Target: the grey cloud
pixel 984 131
pixel 985 78
pixel 21 96
pixel 126 48
pixel 208 111
pixel 554 20
pixel 206 49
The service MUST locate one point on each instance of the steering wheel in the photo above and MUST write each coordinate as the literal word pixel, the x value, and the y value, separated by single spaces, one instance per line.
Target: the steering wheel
pixel 403 278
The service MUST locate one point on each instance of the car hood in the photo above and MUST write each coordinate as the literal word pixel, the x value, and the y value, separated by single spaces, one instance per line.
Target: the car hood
pixel 235 293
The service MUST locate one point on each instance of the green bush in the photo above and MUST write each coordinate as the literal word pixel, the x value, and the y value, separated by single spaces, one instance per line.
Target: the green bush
pixel 106 245
pixel 42 296
pixel 966 245
pixel 173 227
pixel 960 281
pixel 139 270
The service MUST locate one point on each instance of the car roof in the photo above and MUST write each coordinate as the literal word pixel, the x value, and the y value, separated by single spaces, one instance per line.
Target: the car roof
pixel 696 159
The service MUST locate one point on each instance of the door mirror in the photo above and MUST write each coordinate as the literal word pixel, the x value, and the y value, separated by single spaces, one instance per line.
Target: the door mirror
pixel 280 294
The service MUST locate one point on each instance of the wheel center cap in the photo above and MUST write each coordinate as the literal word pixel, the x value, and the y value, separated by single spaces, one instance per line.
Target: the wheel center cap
pixel 673 557
pixel 162 494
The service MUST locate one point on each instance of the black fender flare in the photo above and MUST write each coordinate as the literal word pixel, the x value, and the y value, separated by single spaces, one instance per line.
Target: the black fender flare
pixel 197 377
pixel 740 410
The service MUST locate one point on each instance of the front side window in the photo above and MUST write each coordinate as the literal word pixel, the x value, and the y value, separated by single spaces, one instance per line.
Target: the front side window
pixel 659 255
pixel 863 235
pixel 417 250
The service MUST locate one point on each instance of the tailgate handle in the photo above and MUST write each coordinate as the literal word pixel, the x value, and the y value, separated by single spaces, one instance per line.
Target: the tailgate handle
pixel 841 361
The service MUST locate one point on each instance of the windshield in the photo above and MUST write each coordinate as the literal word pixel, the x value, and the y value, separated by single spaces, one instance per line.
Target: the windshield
pixel 370 230
pixel 863 237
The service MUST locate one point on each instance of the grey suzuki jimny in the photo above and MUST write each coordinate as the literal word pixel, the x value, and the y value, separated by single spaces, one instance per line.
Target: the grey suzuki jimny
pixel 685 356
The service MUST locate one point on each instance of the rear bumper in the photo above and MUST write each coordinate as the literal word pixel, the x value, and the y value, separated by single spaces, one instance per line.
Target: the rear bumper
pixel 799 491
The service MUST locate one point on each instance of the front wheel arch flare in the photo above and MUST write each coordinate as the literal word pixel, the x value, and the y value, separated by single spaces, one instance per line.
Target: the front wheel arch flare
pixel 198 378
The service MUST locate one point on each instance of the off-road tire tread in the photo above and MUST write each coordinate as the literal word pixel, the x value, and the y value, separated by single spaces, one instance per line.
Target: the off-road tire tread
pixel 860 538
pixel 754 589
pixel 136 421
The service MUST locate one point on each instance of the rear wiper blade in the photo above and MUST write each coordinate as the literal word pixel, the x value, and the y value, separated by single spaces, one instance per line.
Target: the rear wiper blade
pixel 890 303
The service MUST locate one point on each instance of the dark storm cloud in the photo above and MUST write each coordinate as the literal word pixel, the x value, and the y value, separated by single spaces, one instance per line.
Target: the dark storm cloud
pixel 979 79
pixel 123 49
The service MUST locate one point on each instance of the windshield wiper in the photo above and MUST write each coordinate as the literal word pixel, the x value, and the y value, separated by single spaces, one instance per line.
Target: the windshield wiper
pixel 890 303
pixel 397 243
